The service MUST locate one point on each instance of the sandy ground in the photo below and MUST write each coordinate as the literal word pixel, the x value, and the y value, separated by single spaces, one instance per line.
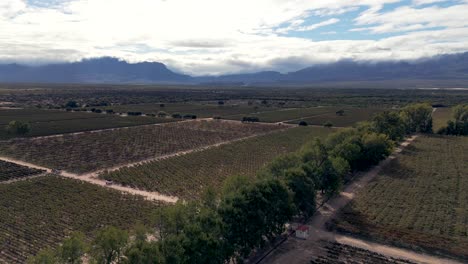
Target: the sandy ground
pixel 303 251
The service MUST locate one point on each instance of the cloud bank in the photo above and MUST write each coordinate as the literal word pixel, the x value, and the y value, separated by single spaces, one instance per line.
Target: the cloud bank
pixel 219 36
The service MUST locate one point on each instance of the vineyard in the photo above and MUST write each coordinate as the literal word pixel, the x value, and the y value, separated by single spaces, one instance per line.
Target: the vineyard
pixel 419 201
pixel 96 150
pixel 11 171
pixel 40 212
pixel 289 114
pixel 350 117
pixel 51 122
pixel 341 253
pixel 187 175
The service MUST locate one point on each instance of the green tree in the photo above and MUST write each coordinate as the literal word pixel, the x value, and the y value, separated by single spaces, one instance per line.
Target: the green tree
pixel 18 128
pixel 171 220
pixel 71 104
pixel 375 148
pixel 143 253
pixel 109 245
pixel 45 256
pixel 282 163
pixel 328 124
pixel 417 118
pixel 303 189
pixel 390 124
pixel 202 240
pixel 73 249
pixel 460 113
pixel 254 212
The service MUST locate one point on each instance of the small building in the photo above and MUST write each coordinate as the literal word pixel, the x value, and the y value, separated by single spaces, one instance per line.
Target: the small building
pixel 302 232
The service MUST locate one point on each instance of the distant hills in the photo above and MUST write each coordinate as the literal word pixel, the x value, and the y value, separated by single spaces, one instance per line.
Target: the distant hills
pixel 111 70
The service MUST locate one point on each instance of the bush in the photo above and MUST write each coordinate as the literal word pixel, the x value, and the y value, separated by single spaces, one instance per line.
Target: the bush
pixel 328 124
pixel 176 115
pixel 18 128
pixel 250 119
pixel 134 113
pixel 303 123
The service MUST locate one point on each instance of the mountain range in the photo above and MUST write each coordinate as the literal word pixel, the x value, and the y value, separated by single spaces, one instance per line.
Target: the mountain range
pixel 112 70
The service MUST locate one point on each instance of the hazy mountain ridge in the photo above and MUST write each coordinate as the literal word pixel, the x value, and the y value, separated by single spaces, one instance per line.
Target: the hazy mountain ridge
pixel 112 70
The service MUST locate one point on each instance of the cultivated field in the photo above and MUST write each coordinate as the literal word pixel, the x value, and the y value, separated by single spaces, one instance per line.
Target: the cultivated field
pixel 187 176
pixel 339 253
pixel 206 109
pixel 350 117
pixel 40 212
pixel 419 201
pixel 51 122
pixel 11 171
pixel 97 150
pixel 281 115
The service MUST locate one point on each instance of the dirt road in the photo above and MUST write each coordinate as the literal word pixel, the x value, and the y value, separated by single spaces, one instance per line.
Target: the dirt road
pixel 303 251
pixel 154 196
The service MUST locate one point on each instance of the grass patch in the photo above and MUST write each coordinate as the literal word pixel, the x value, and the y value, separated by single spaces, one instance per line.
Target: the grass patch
pixel 440 118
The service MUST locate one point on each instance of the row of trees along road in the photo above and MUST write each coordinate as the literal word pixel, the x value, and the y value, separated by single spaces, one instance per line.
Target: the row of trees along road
pixel 249 212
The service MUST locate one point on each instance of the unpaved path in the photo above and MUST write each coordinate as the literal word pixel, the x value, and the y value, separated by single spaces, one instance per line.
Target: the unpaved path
pixel 303 251
pixel 25 164
pixel 154 196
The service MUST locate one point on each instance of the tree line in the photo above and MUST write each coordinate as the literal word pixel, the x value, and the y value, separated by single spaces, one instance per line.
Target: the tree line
pixel 248 212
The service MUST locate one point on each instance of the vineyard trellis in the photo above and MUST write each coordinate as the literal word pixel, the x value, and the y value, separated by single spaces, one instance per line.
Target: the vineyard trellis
pixel 87 152
pixel 186 176
pixel 419 200
pixel 39 213
pixel 11 171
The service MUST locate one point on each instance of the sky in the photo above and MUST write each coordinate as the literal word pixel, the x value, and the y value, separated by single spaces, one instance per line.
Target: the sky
pixel 212 37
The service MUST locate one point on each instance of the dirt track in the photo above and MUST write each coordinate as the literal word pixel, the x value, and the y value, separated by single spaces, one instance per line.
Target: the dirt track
pixel 303 251
pixel 88 178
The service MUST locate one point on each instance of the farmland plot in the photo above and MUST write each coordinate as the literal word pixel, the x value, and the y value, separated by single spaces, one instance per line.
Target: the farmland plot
pixel 41 212
pixel 288 114
pixel 187 175
pixel 51 122
pixel 339 253
pixel 97 150
pixel 350 117
pixel 440 117
pixel 419 201
pixel 11 171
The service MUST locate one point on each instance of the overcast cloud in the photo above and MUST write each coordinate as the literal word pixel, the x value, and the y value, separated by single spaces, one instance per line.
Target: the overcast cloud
pixel 217 36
